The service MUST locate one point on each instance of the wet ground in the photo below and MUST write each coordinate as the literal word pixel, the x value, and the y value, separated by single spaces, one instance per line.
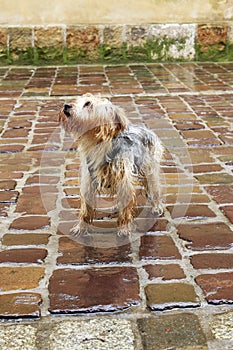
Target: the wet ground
pixel 170 285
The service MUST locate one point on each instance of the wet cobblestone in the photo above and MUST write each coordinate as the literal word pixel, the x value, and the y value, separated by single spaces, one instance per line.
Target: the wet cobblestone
pixel 180 261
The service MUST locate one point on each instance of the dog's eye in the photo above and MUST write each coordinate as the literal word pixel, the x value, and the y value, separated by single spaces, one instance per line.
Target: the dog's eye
pixel 87 104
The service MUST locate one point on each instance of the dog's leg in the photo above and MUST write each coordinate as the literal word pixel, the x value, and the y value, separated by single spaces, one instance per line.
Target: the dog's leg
pixel 87 210
pixel 126 202
pixel 153 188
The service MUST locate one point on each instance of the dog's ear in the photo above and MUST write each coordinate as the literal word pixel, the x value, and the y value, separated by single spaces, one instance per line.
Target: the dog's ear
pixel 121 120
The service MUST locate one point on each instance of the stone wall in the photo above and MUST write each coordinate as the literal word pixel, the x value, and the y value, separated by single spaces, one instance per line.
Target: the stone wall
pixel 87 31
pixel 115 43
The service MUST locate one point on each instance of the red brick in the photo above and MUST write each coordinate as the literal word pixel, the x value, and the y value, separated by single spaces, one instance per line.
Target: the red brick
pixel 212 261
pixel 16 239
pixel 11 148
pixel 228 212
pixel 217 287
pixel 190 211
pixel 30 223
pixel 20 305
pixel 16 133
pixel 221 194
pixel 94 249
pixel 158 247
pixel 7 185
pixel 37 204
pixel 31 255
pixel 8 196
pixel 205 168
pixel 93 290
pixel 165 271
pixel 206 236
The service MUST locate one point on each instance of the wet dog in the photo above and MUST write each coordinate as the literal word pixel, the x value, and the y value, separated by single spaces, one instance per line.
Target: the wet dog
pixel 115 155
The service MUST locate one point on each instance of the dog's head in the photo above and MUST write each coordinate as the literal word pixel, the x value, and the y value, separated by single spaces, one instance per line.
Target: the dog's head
pixel 93 117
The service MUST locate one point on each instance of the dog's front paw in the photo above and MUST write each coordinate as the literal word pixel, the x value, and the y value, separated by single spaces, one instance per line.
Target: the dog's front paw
pixel 79 230
pixel 157 210
pixel 124 231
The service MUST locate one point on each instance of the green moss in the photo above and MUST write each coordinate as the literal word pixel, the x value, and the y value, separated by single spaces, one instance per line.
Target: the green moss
pixel 215 53
pixel 47 55
pixel 152 51
pixel 17 56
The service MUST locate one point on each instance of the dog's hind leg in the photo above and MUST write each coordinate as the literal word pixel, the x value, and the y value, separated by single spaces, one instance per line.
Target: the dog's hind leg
pixel 153 188
pixel 125 202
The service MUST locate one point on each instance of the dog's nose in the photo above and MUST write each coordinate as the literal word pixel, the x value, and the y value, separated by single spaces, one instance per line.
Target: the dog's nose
pixel 67 107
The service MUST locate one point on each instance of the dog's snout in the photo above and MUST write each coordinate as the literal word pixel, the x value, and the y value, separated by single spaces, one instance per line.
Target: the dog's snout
pixel 67 108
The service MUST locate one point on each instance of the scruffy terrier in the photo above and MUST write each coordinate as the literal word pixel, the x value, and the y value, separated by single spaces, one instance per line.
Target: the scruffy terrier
pixel 115 155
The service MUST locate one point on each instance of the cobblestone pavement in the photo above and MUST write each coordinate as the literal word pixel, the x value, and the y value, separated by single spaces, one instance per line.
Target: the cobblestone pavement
pixel 170 285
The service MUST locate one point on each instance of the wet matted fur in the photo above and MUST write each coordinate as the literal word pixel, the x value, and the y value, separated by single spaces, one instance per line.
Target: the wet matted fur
pixel 115 155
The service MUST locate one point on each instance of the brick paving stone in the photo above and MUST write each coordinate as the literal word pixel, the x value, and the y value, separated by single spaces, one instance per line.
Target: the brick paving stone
pixel 8 196
pixel 23 255
pixel 115 288
pixel 206 236
pixel 158 247
pixel 30 223
pixel 205 168
pixel 11 175
pixel 7 185
pixel 171 295
pixel 11 148
pixel 16 239
pixel 100 249
pixel 181 331
pixel 220 178
pixel 165 271
pixel 212 261
pixel 181 198
pixel 198 156
pixel 20 305
pixel 36 204
pixel 190 211
pixel 151 224
pixel 217 287
pixel 222 194
pixel 228 212
pixel 13 278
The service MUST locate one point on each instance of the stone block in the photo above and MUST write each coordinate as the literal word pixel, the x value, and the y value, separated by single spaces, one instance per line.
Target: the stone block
pixel 165 271
pixel 137 35
pixel 13 278
pixel 176 41
pixel 209 35
pixel 51 37
pixel 206 236
pixel 171 295
pixel 158 247
pixel 217 287
pixel 20 38
pixel 181 331
pixel 94 249
pixel 3 38
pixel 93 290
pixel 85 38
pixel 19 305
pixel 113 36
